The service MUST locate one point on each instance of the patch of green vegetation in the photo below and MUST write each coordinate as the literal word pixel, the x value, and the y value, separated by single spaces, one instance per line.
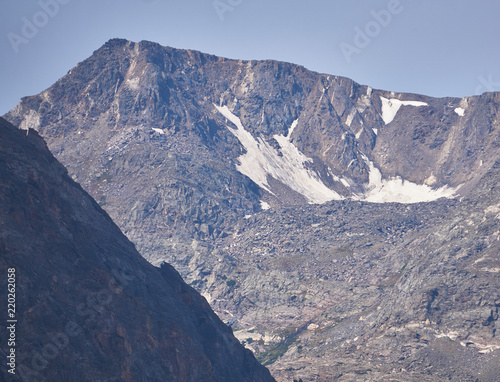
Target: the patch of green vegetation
pixel 269 357
pixel 249 340
pixel 231 283
pixel 102 201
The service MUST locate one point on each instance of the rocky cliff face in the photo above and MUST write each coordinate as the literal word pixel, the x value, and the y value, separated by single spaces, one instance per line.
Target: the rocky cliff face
pixel 89 307
pixel 344 232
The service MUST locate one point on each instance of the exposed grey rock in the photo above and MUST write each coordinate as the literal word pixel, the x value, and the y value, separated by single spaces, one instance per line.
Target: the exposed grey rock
pixel 346 290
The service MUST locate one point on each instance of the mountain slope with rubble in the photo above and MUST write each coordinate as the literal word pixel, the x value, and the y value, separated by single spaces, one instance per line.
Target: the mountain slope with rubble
pixel 88 306
pixel 343 231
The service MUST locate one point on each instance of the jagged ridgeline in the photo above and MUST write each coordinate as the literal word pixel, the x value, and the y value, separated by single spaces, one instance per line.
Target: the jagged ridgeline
pixel 89 307
pixel 342 231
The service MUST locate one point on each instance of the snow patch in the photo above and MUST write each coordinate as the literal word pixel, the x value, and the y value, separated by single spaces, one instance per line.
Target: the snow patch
pixel 133 83
pixel 350 117
pixel 358 134
pixel 390 107
pixel 264 205
pixel 289 166
pixel 292 128
pixel 262 160
pixel 398 190
pixel 322 95
pixel 375 131
pixel 345 183
pixel 159 131
pixel 460 111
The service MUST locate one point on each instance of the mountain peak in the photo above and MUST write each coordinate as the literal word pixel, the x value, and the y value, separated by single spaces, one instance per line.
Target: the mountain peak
pixel 268 185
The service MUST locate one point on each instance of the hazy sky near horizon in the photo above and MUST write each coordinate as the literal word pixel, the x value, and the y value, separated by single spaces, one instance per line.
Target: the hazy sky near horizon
pixel 433 47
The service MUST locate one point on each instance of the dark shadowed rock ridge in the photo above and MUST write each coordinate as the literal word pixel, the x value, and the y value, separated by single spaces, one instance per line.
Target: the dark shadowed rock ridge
pixel 319 288
pixel 89 307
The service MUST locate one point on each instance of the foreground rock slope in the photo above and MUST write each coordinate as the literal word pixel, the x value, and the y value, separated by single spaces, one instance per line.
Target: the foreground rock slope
pixel 89 307
pixel 344 232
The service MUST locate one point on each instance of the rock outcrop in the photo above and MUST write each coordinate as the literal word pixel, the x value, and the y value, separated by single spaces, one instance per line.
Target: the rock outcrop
pixel 345 232
pixel 88 306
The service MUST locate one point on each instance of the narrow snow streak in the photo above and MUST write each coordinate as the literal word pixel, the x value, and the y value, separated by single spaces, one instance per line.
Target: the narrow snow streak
pixel 262 160
pixel 390 107
pixel 397 190
pixel 350 117
pixel 159 131
pixel 292 128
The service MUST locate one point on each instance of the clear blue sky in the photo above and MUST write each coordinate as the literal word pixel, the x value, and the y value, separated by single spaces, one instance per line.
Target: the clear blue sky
pixel 433 47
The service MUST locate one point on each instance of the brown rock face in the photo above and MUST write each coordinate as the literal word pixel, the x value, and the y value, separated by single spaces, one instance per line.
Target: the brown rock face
pixel 88 306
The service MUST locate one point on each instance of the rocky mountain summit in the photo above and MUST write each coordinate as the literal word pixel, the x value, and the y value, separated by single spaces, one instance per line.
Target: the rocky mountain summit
pixel 344 232
pixel 88 306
